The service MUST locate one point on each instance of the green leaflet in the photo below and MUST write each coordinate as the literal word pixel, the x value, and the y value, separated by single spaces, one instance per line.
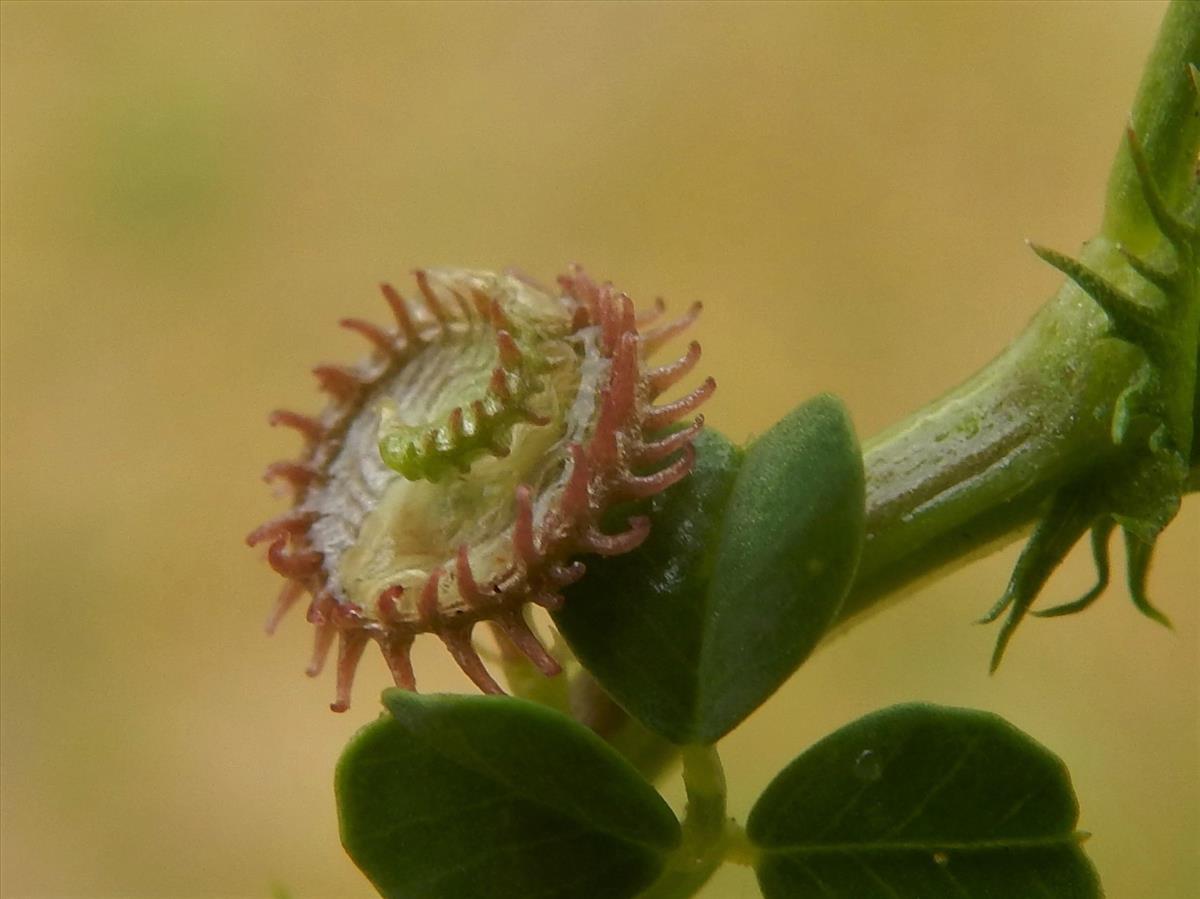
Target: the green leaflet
pixel 454 797
pixel 921 802
pixel 637 621
pixel 744 569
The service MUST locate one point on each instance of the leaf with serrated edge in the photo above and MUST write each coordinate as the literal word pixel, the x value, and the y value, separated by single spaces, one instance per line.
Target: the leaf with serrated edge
pixel 922 802
pixel 457 797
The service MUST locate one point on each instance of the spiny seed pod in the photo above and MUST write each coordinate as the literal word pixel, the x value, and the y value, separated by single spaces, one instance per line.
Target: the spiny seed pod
pixel 458 474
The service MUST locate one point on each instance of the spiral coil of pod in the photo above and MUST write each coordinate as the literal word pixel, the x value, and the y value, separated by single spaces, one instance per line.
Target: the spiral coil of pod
pixel 458 473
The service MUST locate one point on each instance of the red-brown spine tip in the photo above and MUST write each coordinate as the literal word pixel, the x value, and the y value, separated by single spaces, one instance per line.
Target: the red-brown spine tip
pixel 310 428
pixel 350 649
pixel 383 341
pixel 298 474
pixel 285 525
pixel 400 311
pixel 666 376
pixel 340 383
pixel 510 353
pixel 386 602
pixel 498 384
pixel 549 600
pixel 641 487
pixel 616 544
pixel 325 634
pixel 397 652
pixel 566 575
pixel 288 597
pixel 661 416
pixel 653 314
pixel 656 337
pixel 464 654
pixel 659 449
pixel 518 632
pixel 457 424
pixel 297 565
pixel 498 317
pixel 431 298
pixel 465 308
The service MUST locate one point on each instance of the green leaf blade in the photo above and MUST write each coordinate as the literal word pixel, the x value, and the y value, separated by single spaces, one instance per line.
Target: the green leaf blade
pixel 1031 873
pixel 482 797
pixel 920 801
pixel 637 621
pixel 790 544
pixel 746 564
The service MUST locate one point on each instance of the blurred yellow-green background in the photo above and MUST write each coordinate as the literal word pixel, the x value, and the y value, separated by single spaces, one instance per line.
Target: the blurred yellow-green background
pixel 194 193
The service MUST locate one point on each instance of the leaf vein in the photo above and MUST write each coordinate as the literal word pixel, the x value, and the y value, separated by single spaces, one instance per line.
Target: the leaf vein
pixel 945 781
pixel 870 872
pixel 837 819
pixel 1001 845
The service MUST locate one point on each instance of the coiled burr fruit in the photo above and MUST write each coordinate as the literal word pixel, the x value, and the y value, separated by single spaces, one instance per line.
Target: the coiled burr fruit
pixel 460 473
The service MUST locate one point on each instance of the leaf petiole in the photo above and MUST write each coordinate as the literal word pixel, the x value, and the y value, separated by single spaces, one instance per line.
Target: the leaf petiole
pixel 707 832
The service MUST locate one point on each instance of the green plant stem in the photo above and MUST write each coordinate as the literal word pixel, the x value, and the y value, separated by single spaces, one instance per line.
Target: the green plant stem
pixel 1163 116
pixel 973 469
pixel 706 829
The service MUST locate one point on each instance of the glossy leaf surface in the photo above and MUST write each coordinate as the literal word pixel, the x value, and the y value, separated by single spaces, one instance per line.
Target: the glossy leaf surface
pixel 746 564
pixel 922 802
pixel 456 797
pixel 637 621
